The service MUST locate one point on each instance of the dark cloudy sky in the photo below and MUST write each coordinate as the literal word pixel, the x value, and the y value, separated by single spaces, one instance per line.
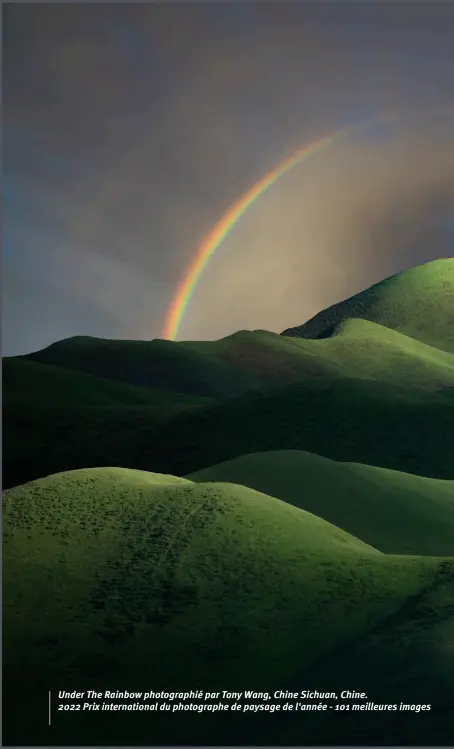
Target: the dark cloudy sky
pixel 128 130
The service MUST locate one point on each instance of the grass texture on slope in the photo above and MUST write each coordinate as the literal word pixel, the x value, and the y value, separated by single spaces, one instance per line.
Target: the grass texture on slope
pixel 124 577
pixel 407 659
pixel 360 348
pixel 365 349
pixel 398 513
pixel 417 302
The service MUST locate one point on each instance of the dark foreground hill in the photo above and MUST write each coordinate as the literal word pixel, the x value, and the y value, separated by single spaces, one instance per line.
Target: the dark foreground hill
pixel 418 303
pixel 117 579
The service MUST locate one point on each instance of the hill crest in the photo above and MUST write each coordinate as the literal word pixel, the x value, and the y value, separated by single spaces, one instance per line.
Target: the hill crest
pixel 417 302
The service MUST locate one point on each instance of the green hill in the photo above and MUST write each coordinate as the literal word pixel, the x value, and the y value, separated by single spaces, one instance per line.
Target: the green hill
pixel 408 660
pixel 367 350
pixel 417 302
pixel 310 546
pixel 29 381
pixel 343 419
pixel 143 581
pixel 157 364
pixel 340 418
pixel 398 513
pixel 360 349
pixel 362 389
pixel 363 395
pixel 251 360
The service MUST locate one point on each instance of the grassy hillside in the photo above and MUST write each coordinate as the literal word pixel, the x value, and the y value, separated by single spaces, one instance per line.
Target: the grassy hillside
pixel 251 360
pixel 29 381
pixel 367 350
pixel 398 513
pixel 343 419
pixel 360 349
pixel 310 545
pixel 368 393
pixel 158 364
pixel 147 581
pixel 417 302
pixel 363 395
pixel 407 658
pixel 348 420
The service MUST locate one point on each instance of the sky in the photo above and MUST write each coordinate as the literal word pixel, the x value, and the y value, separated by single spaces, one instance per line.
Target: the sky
pixel 130 129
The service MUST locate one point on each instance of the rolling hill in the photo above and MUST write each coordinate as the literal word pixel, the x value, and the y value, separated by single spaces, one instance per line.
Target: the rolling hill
pixel 367 393
pixel 280 516
pixel 157 364
pixel 27 381
pixel 417 302
pixel 348 344
pixel 366 350
pixel 342 418
pixel 398 513
pixel 150 581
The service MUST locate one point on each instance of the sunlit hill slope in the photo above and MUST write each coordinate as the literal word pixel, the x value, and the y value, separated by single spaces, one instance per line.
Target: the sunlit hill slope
pixel 120 577
pixel 417 302
pixel 260 512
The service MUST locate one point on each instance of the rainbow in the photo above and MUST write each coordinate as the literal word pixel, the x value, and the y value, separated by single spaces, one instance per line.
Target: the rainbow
pixel 216 236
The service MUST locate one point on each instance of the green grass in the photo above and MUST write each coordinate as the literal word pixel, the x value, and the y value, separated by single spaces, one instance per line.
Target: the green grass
pixel 398 513
pixel 366 393
pixel 253 360
pixel 369 395
pixel 408 657
pixel 343 419
pixel 360 349
pixel 417 303
pixel 370 351
pixel 412 335
pixel 290 563
pixel 157 364
pixel 141 581
pixel 29 381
